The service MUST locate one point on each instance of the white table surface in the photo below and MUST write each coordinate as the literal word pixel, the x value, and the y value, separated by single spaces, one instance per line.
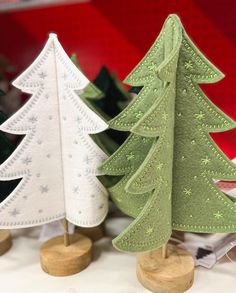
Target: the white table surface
pixel 110 272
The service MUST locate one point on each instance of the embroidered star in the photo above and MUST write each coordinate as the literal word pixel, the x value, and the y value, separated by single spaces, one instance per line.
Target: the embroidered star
pixel 14 213
pixel 164 116
pixel 64 76
pixel 78 119
pixel 200 115
pixel 138 114
pixel 130 156
pixel 76 189
pixel 87 160
pixel 218 215
pixel 149 231
pixel 42 75
pixel 187 191
pixel 160 166
pixel 188 64
pixel 206 160
pixel 43 188
pixel 26 160
pixel 33 119
pixel 152 66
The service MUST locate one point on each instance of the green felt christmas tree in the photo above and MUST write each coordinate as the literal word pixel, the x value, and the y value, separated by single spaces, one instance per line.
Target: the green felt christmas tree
pixel 169 161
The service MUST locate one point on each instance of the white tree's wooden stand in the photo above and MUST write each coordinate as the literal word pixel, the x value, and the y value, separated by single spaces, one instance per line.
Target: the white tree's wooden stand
pixel 66 255
pixel 5 241
pixel 169 269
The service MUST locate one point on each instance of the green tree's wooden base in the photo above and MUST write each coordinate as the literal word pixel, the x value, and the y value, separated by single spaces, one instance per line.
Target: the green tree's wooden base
pixel 173 274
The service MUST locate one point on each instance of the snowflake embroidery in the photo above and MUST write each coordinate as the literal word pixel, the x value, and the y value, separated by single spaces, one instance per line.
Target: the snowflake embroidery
pixel 130 156
pixel 42 75
pixel 78 120
pixel 218 215
pixel 43 188
pixel 187 191
pixel 76 189
pixel 33 119
pixel 188 64
pixel 64 76
pixel 88 160
pixel 200 115
pixel 14 213
pixel 206 160
pixel 26 160
pixel 152 66
pixel 149 231
pixel 159 166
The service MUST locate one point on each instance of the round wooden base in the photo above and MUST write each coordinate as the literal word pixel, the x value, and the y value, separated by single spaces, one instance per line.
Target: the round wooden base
pixel 5 241
pixel 173 274
pixel 60 260
pixel 94 233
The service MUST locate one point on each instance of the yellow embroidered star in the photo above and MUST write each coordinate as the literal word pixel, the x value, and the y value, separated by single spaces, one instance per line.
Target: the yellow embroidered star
pixel 200 115
pixel 206 160
pixel 152 66
pixel 130 156
pixel 188 64
pixel 218 215
pixel 149 230
pixel 159 166
pixel 187 191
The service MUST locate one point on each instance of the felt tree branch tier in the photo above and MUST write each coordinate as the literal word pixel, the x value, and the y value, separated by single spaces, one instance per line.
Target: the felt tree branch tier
pixel 169 161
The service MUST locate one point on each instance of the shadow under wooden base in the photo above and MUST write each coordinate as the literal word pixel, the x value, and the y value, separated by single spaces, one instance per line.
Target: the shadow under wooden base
pixel 60 260
pixel 173 274
pixel 5 241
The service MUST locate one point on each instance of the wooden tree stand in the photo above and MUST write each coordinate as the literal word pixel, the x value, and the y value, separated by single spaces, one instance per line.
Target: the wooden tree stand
pixel 5 241
pixel 173 274
pixel 57 259
pixel 94 233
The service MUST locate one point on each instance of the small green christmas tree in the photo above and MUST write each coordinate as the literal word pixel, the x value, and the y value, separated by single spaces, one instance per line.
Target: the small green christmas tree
pixel 169 161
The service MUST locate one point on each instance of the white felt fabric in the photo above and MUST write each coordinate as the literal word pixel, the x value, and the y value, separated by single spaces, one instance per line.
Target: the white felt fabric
pixel 57 160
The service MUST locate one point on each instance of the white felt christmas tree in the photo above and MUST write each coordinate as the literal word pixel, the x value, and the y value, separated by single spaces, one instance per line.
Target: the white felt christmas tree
pixel 57 160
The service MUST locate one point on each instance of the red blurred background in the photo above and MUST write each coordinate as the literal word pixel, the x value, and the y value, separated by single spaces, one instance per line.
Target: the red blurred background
pixel 118 33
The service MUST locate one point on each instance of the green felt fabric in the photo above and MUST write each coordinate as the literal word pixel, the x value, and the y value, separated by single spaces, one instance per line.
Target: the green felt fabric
pixel 169 161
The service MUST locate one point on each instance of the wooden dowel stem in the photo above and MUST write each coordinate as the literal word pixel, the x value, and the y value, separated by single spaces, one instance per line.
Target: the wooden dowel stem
pixel 66 233
pixel 164 251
